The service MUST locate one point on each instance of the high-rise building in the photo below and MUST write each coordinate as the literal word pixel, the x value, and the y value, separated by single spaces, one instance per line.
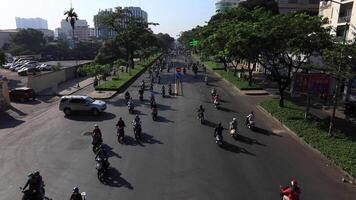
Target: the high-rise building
pixel 223 5
pixel 286 6
pixel 341 18
pixel 81 30
pixel 104 32
pixel 5 37
pixel 35 23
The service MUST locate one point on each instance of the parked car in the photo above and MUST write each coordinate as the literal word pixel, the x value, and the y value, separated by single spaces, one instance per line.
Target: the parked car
pixel 69 104
pixel 44 67
pixel 7 65
pixel 22 94
pixel 27 71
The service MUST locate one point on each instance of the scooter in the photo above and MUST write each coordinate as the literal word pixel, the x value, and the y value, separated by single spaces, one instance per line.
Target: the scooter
pixel 84 195
pixel 250 124
pixel 121 135
pixel 163 92
pixel 219 140
pixel 137 132
pixel 131 107
pixel 216 104
pixel 101 167
pixel 170 90
pixel 154 114
pixel 201 117
pixel 232 130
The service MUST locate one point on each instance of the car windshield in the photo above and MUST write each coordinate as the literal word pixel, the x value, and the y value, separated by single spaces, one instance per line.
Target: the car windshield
pixel 90 100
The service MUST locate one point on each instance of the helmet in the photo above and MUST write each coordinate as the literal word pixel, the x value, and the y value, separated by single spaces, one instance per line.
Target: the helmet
pixel 234 119
pixel 294 183
pixel 219 124
pixel 37 173
pixel 96 126
pixel 76 189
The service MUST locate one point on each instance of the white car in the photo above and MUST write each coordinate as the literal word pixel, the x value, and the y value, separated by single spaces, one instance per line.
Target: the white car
pixel 44 67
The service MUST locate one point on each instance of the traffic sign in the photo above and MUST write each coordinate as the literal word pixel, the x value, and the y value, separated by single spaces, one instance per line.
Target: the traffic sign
pixel 178 75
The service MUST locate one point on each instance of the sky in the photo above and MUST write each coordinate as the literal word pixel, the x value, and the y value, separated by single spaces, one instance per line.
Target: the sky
pixel 174 16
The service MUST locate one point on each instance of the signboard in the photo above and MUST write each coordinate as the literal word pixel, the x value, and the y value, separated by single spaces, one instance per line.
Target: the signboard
pixel 178 75
pixel 315 83
pixel 178 69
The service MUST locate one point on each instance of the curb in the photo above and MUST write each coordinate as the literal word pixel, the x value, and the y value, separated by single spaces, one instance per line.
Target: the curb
pixel 351 180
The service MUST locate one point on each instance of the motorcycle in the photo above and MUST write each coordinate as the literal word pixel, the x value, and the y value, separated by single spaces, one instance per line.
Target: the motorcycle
pixel 96 145
pixel 232 130
pixel 127 97
pixel 137 132
pixel 154 114
pixel 170 90
pixel 151 86
pixel 84 195
pixel 163 92
pixel 121 135
pixel 131 107
pixel 201 117
pixel 216 104
pixel 102 166
pixel 206 80
pixel 250 124
pixel 140 94
pixel 219 140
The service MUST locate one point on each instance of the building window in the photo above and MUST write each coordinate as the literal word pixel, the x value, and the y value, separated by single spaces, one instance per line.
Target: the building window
pixel 314 1
pixel 292 1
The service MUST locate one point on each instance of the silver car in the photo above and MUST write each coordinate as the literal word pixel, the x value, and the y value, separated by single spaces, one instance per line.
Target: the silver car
pixel 68 104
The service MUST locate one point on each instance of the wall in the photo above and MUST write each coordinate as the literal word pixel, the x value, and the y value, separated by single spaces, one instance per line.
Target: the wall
pixel 4 94
pixel 45 81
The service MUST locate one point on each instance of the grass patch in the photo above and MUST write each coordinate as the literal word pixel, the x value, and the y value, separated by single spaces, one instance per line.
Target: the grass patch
pixel 341 150
pixel 238 82
pixel 124 77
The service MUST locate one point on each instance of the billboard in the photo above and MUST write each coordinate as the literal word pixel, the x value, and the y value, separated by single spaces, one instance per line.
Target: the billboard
pixel 316 83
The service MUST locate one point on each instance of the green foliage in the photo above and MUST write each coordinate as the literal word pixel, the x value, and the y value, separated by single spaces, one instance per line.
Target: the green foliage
pixel 268 5
pixel 341 150
pixel 71 17
pixel 123 77
pixel 27 41
pixel 57 67
pixel 229 76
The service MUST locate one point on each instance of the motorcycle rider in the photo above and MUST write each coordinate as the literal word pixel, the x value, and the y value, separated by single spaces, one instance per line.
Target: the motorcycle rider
pixel 170 89
pixel 35 182
pixel 76 194
pixel 130 104
pixel 121 125
pixel 250 118
pixel 213 92
pixel 218 130
pixel 137 120
pixel 154 110
pixel 96 136
pixel 292 192
pixel 143 84
pixel 102 154
pixel 233 124
pixel 127 95
pixel 163 90
pixel 201 111
pixel 216 99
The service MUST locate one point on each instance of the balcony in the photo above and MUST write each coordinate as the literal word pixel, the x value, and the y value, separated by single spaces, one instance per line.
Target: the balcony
pixel 344 19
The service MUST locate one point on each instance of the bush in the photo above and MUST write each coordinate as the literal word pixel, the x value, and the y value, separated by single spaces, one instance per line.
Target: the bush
pixel 340 150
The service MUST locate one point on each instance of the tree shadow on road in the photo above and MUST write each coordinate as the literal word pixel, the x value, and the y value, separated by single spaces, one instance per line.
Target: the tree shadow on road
pixel 87 116
pixel 247 140
pixel 8 121
pixel 209 123
pixel 163 119
pixel 165 107
pixel 130 141
pixel 227 110
pixel 264 132
pixel 146 138
pixel 235 149
pixel 113 178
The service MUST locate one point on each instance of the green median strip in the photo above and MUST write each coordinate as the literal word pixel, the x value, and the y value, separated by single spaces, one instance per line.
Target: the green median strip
pixel 341 149
pixel 124 77
pixel 229 76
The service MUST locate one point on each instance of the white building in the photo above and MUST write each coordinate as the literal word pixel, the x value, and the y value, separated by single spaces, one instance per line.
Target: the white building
pixel 286 6
pixel 341 18
pixel 92 32
pixel 223 5
pixel 35 23
pixel 5 36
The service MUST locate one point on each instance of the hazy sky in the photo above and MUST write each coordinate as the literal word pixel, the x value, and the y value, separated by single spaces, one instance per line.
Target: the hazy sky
pixel 173 16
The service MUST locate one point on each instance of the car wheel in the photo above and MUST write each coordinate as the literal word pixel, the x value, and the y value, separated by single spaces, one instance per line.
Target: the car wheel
pixel 95 112
pixel 67 111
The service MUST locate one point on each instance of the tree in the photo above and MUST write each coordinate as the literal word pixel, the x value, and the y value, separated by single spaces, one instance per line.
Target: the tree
pixel 268 5
pixel 132 33
pixel 340 59
pixel 289 42
pixel 71 17
pixel 2 57
pixel 27 41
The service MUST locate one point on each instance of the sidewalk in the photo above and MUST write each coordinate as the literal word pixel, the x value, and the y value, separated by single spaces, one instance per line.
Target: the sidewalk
pixel 68 87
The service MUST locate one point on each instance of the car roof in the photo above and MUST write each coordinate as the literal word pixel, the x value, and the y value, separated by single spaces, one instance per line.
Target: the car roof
pixel 75 97
pixel 22 88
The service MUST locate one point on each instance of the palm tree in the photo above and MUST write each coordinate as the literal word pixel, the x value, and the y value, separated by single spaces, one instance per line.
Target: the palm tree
pixel 71 17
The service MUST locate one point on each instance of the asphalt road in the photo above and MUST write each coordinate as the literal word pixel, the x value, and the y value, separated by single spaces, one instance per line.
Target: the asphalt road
pixel 178 158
